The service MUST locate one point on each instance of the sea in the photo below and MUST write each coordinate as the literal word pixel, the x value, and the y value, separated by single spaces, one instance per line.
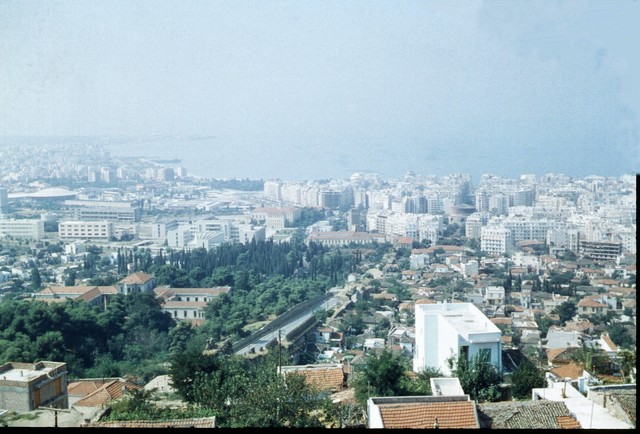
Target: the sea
pixel 230 158
pixel 213 157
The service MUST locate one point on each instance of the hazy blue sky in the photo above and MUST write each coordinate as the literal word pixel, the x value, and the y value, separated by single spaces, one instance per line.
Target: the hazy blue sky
pixel 366 76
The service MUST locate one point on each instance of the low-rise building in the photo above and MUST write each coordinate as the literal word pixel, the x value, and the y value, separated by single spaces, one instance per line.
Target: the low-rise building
pixel 136 282
pixel 26 386
pixel 85 230
pixel 445 412
pixel 447 330
pixel 188 304
pixel 95 295
pixel 22 228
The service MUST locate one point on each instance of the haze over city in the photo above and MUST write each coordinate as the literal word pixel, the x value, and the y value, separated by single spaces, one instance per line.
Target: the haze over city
pixel 308 90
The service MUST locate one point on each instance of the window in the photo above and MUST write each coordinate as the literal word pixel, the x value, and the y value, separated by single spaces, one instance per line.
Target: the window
pixel 485 353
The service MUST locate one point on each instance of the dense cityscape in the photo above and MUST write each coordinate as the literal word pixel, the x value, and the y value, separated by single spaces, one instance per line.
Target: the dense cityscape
pixel 133 294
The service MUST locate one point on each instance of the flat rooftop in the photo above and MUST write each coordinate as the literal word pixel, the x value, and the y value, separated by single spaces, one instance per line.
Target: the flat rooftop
pixel 464 317
pixel 25 375
pixel 469 323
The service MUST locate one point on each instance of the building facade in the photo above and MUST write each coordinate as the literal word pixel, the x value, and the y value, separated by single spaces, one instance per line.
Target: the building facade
pixel 27 386
pixel 85 230
pixel 22 228
pixel 446 330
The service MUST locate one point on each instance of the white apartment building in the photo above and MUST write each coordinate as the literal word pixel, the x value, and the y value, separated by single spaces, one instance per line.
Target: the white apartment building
pixel 494 295
pixel 473 225
pixel 22 228
pixel 158 230
pixel 447 330
pixel 419 259
pixel 499 204
pixel 482 201
pixel 247 232
pixel 105 210
pixel 496 240
pixel 343 238
pixel 85 230
pixel 213 226
pixel 309 197
pixel 376 222
pixel 379 200
pixel 276 218
pixel 469 268
pixel 291 193
pixel 360 198
pixel 179 237
pixel 273 190
pixel 527 228
pixel 628 240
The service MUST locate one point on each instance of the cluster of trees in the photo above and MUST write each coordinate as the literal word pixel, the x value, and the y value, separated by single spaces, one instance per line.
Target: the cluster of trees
pixel 267 279
pixel 132 334
pixel 129 336
pixel 207 268
pixel 239 392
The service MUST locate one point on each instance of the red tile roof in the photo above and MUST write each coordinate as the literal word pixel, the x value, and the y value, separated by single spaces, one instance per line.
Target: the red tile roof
pixel 568 422
pixel 137 278
pixel 453 414
pixel 570 370
pixel 325 378
pixel 107 392
pixel 82 388
pixel 589 302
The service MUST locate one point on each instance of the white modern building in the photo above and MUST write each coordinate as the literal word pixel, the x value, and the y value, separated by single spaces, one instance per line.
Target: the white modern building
pixel 275 217
pixel 85 230
pixel 22 228
pixel 446 330
pixel 496 240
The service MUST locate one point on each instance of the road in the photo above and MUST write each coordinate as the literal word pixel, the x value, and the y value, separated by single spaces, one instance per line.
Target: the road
pixel 260 343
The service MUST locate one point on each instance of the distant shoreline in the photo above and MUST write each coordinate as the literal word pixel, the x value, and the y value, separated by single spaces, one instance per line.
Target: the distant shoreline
pixel 165 161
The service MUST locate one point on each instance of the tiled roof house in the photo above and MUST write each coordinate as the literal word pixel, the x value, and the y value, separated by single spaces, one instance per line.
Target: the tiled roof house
pixel 187 304
pixel 95 295
pixel 136 282
pixel 422 412
pixel 589 306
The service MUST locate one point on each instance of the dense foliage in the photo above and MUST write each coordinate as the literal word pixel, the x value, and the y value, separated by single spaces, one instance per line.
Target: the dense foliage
pixel 386 374
pixel 383 375
pixel 526 377
pixel 132 335
pixel 128 336
pixel 478 377
pixel 244 392
pixel 267 278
